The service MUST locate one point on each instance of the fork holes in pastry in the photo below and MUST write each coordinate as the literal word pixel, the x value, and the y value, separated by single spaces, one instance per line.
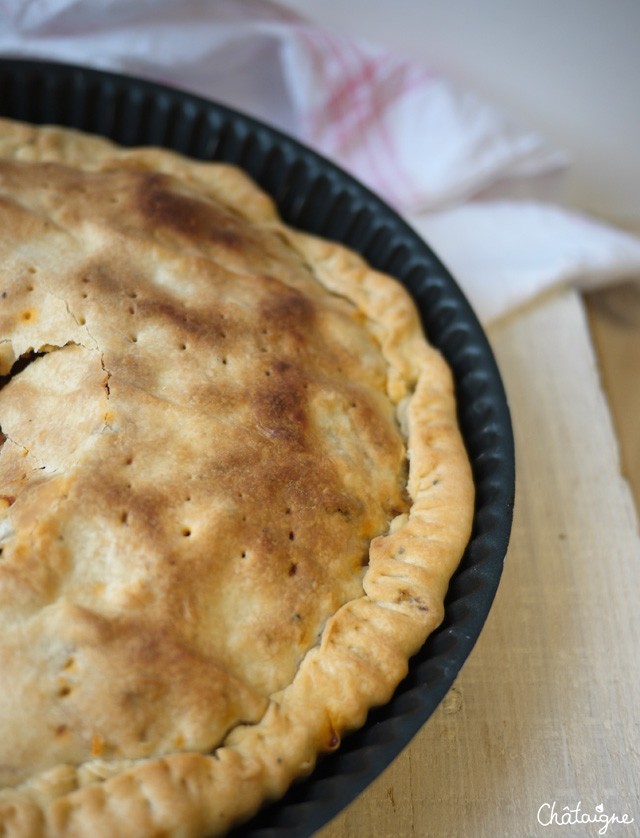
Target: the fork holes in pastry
pixel 186 532
pixel 129 460
pixel 124 517
pixel 292 536
pixel 64 691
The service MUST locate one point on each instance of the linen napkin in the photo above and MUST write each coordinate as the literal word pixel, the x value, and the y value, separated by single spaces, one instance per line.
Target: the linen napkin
pixel 474 183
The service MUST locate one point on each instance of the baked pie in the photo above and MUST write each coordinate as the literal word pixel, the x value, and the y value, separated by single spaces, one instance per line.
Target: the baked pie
pixel 232 490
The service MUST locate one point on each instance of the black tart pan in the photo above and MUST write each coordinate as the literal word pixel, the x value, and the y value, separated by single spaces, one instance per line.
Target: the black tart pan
pixel 315 195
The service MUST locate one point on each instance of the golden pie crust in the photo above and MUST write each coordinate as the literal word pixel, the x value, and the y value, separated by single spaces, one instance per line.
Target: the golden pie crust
pixel 232 491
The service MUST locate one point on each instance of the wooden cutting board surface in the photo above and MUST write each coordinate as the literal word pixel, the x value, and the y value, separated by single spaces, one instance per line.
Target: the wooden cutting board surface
pixel 614 318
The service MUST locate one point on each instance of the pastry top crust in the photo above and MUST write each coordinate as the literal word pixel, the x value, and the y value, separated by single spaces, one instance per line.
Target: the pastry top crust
pixel 233 490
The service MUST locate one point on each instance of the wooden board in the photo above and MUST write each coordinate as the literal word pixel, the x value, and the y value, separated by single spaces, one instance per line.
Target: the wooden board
pixel 614 318
pixel 545 709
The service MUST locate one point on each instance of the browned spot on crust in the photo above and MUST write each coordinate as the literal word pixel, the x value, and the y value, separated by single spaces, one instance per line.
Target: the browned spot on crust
pixel 284 309
pixel 162 206
pixel 280 412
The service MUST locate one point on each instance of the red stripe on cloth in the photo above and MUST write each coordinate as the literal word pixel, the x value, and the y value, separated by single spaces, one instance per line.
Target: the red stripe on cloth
pixel 352 120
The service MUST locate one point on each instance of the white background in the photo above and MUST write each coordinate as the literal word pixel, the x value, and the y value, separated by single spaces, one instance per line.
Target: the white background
pixel 570 68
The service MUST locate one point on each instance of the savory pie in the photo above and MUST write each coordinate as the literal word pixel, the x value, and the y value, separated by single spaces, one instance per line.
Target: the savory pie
pixel 232 490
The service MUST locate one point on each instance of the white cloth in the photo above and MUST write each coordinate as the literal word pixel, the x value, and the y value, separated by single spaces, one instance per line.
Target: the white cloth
pixel 436 152
pixel 506 253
